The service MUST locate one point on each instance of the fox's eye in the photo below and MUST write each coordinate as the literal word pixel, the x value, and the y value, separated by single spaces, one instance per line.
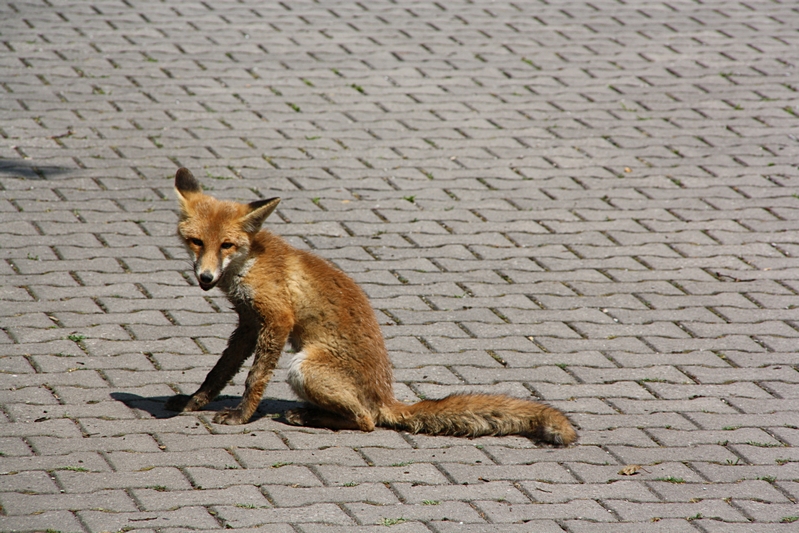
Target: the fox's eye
pixel 226 245
pixel 196 242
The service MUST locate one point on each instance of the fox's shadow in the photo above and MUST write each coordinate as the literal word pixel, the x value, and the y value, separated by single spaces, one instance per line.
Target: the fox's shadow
pixel 268 408
pixel 27 171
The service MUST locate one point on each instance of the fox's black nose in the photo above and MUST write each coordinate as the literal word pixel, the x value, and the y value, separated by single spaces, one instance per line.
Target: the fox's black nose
pixel 206 277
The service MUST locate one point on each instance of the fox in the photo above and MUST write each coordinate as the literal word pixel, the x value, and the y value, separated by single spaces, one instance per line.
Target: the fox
pixel 340 367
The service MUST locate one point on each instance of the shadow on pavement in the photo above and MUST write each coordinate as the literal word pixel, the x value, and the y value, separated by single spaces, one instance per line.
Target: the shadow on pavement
pixel 155 405
pixel 26 171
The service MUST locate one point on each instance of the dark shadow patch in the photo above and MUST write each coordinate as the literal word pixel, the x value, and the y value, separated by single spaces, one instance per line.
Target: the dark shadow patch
pixel 268 408
pixel 27 171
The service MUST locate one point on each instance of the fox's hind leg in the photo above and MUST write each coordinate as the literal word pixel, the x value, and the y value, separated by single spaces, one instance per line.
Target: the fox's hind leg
pixel 335 397
pixel 314 417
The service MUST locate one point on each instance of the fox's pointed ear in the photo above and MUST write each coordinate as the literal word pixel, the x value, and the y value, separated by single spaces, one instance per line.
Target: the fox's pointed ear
pixel 259 210
pixel 186 184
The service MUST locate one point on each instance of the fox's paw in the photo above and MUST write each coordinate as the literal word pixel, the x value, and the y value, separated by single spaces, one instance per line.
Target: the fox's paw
pixel 296 417
pixel 180 403
pixel 230 417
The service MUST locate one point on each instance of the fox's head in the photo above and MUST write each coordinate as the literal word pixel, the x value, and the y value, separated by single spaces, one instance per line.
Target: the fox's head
pixel 218 233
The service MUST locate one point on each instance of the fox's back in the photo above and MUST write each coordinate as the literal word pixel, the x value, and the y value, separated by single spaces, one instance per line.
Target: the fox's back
pixel 325 304
pixel 328 312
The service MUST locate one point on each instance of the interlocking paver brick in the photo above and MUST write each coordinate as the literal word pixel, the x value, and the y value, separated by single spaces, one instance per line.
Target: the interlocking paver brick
pixel 189 517
pixel 410 473
pixel 258 440
pixel 764 453
pixel 541 526
pixel 326 513
pixel 28 482
pixel 587 203
pixel 604 473
pixel 65 520
pixel 90 482
pixel 501 512
pixel 212 478
pixel 713 509
pixel 372 493
pixel 492 490
pixel 716 526
pixel 474 474
pixel 630 436
pixel 402 527
pixel 114 501
pixel 124 461
pixel 80 461
pixel 251 458
pixel 162 500
pixel 759 490
pixel 737 471
pixel 454 511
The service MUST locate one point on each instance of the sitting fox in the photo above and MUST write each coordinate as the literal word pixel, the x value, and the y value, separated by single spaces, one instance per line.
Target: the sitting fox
pixel 341 367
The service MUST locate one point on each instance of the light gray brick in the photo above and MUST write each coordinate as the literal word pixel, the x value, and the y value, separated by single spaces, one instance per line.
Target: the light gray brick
pixel 591 204
pixel 327 513
pixel 28 504
pixel 237 495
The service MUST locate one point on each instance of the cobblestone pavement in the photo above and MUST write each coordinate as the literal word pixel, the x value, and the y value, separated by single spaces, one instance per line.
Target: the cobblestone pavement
pixel 591 203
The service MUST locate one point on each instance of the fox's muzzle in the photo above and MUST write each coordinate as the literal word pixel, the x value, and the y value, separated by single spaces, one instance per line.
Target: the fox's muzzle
pixel 207 280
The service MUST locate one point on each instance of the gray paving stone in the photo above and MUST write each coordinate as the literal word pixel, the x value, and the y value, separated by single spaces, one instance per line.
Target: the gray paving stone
pixel 238 495
pixel 712 525
pixel 552 492
pixel 89 482
pixel 255 439
pixel 212 478
pixel 542 526
pixel 112 501
pixel 320 512
pixel 403 527
pixel 77 461
pixel 587 203
pixel 459 512
pixel 659 526
pixel 371 493
pixel 412 473
pixel 759 490
pixel 28 482
pixel 671 437
pixel 604 473
pixel 253 458
pixel 30 413
pixel 629 436
pixel 124 461
pixel 762 453
pixel 310 439
pixel 731 473
pixel 713 421
pixel 64 520
pixel 474 474
pixel 189 517
pixel 14 446
pixel 494 490
pixel 582 509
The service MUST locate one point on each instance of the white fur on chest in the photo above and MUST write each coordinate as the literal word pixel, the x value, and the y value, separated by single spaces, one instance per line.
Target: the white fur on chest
pixel 235 285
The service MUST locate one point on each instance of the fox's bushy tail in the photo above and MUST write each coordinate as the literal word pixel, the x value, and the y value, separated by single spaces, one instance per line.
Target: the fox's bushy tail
pixel 476 415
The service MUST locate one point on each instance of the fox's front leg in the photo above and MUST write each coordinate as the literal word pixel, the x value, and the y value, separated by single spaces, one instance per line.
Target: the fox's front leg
pixel 267 352
pixel 241 344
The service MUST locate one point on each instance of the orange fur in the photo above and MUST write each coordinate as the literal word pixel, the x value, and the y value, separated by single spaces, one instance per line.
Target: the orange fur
pixel 341 366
